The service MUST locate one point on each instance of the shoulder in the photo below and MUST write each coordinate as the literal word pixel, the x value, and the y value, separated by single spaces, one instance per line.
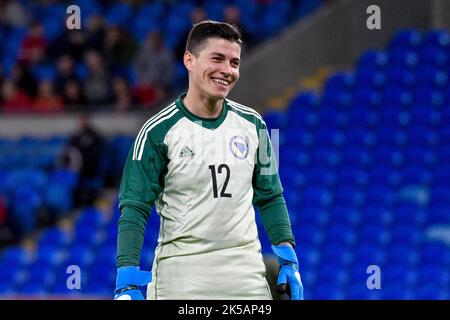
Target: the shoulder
pixel 155 128
pixel 246 112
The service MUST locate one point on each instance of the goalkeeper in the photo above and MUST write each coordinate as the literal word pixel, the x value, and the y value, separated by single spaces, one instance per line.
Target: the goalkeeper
pixel 204 161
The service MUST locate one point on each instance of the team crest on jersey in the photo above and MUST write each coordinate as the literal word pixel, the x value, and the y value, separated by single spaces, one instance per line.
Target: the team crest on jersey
pixel 239 147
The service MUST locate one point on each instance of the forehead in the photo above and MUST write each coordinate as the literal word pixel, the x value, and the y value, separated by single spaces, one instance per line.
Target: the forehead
pixel 222 46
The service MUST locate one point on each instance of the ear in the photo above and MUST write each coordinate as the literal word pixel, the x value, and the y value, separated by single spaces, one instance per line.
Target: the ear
pixel 188 60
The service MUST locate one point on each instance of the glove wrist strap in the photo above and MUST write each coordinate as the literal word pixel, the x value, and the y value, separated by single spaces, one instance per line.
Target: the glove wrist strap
pixel 121 290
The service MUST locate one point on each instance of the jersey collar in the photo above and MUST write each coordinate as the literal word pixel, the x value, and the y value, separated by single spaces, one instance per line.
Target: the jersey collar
pixel 208 123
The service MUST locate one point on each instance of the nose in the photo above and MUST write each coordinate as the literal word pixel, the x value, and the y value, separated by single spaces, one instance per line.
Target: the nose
pixel 226 69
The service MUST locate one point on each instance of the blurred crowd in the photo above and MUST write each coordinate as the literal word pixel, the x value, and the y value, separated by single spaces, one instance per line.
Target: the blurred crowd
pixel 101 65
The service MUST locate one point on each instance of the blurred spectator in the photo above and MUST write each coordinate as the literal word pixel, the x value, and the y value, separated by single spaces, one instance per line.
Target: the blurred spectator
pixel 34 45
pixel 70 42
pixel 197 15
pixel 119 48
pixel 2 211
pixel 13 14
pixel 89 144
pixel 232 15
pixel 24 79
pixel 13 98
pixel 95 35
pixel 155 64
pixel 73 97
pixel 65 72
pixel 123 98
pixel 97 86
pixel 47 100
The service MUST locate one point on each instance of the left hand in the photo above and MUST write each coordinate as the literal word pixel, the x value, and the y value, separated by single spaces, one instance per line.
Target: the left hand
pixel 289 280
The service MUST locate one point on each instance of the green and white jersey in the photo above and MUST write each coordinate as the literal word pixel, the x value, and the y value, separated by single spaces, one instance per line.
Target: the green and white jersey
pixel 204 175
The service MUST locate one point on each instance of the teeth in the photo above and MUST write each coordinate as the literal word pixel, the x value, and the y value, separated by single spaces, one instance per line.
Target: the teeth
pixel 224 82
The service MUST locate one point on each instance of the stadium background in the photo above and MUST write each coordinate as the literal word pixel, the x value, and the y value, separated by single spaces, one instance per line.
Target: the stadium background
pixel 363 117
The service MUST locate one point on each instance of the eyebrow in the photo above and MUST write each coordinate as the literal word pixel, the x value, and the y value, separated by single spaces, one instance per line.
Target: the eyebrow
pixel 223 56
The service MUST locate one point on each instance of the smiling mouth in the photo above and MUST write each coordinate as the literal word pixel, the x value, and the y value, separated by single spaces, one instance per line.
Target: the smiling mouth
pixel 222 82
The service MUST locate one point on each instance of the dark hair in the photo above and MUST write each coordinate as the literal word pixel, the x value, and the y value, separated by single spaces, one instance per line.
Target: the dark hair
pixel 204 30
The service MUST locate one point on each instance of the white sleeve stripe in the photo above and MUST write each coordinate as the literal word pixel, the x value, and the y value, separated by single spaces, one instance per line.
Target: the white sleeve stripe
pixel 242 107
pixel 248 112
pixel 141 148
pixel 148 123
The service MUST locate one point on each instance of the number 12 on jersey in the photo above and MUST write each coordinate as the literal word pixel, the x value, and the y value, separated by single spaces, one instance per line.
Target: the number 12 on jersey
pixel 223 193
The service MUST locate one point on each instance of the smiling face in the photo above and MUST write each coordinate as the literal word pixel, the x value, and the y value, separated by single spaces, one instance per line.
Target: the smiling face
pixel 214 68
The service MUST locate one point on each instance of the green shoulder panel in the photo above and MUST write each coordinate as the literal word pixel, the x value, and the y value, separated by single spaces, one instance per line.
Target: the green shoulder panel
pixel 142 182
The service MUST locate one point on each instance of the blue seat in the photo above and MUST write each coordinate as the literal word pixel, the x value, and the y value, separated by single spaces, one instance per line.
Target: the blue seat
pixel 80 255
pixel 398 275
pixel 406 38
pixel 32 289
pixel 348 196
pixel 430 292
pixel 437 276
pixel 402 253
pixel 106 255
pixel 337 98
pixel 423 115
pixel 311 216
pixel 340 81
pixel 336 255
pixel 45 71
pixel 342 234
pixel 91 217
pixel 325 155
pixel 372 59
pixel 99 290
pixel 358 135
pixel 318 175
pixel 344 214
pixel 328 292
pixel 49 255
pixel 373 235
pixel 404 57
pixel 433 55
pixel 316 195
pixel 329 135
pixel 54 237
pixel 104 274
pixel 308 235
pixel 275 119
pixel 305 100
pixel 437 253
pixel 396 292
pixel 438 213
pixel 119 14
pixel 431 76
pixel 355 156
pixel 436 38
pixel 87 235
pixel 400 75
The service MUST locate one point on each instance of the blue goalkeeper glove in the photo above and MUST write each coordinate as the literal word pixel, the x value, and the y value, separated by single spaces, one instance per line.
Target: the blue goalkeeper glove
pixel 289 280
pixel 128 281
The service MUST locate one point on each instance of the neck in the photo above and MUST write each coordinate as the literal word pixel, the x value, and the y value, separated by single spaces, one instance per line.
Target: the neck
pixel 203 106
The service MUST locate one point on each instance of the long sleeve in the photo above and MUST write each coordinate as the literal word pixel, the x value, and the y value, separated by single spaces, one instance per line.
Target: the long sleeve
pixel 268 192
pixel 141 183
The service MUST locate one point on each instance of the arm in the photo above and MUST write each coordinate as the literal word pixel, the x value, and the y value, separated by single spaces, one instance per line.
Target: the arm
pixel 268 198
pixel 141 184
